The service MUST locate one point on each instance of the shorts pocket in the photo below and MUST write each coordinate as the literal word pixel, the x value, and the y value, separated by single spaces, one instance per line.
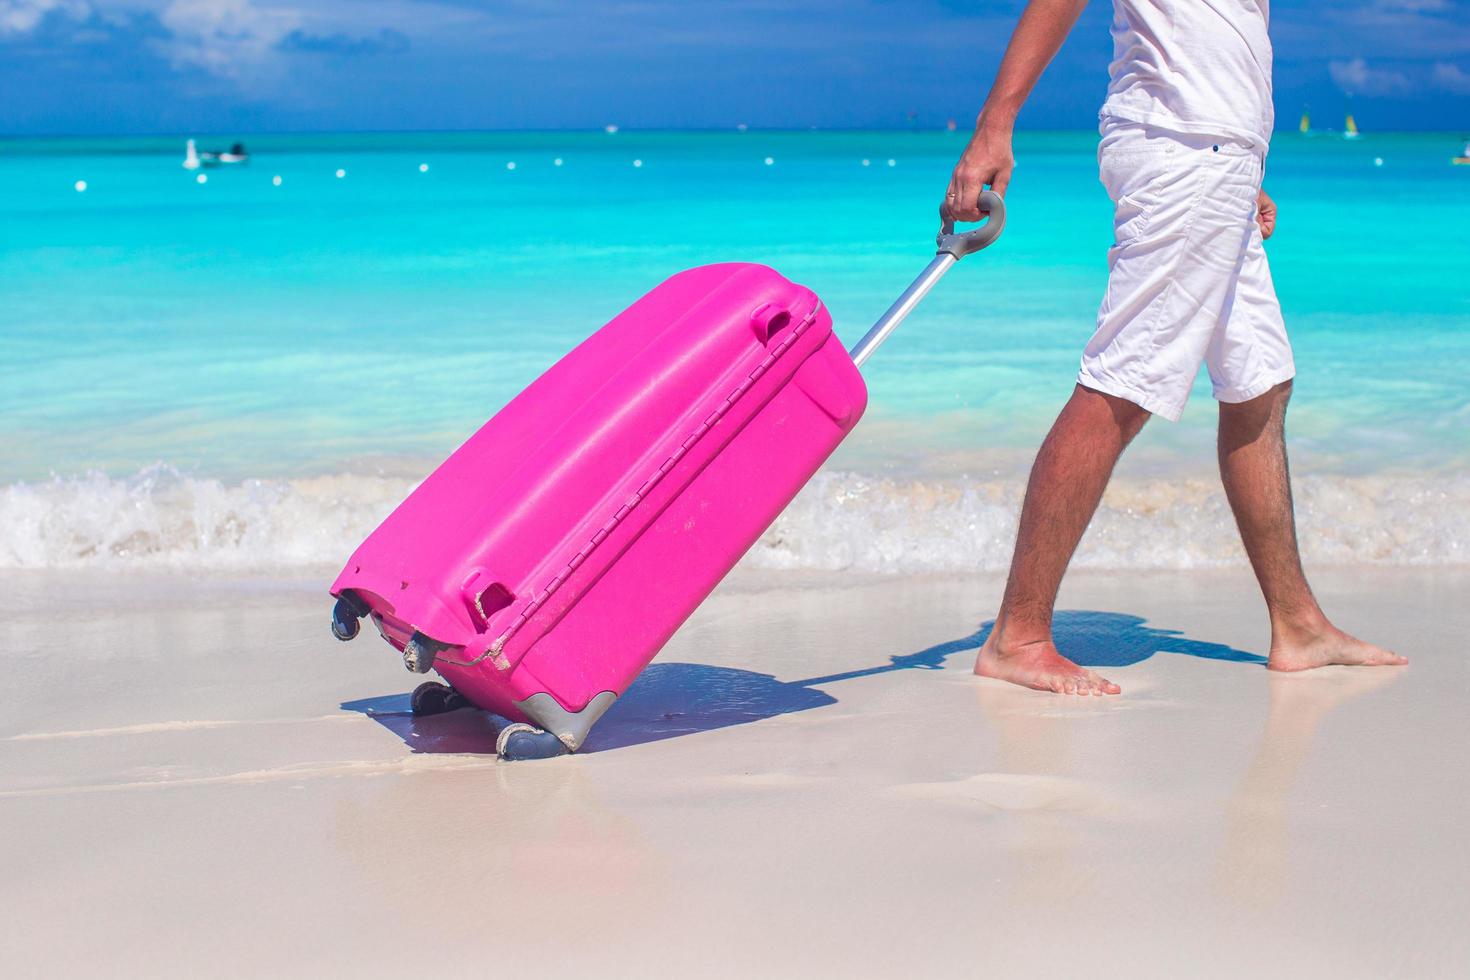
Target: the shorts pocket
pixel 1134 179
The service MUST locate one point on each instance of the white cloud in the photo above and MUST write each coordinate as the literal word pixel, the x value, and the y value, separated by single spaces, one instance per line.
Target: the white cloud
pixel 224 37
pixel 1451 78
pixel 242 39
pixel 23 16
pixel 1413 6
pixel 1356 77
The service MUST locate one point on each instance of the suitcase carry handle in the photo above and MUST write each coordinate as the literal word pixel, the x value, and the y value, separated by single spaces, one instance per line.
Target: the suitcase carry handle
pixel 969 242
pixel 952 248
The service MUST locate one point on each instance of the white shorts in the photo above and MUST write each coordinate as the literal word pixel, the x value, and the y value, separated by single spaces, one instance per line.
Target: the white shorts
pixel 1187 273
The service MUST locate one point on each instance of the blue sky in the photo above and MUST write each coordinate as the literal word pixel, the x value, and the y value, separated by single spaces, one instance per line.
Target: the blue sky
pixel 169 66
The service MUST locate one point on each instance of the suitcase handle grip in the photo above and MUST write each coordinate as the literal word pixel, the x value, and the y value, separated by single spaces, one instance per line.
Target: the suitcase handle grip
pixel 952 248
pixel 968 242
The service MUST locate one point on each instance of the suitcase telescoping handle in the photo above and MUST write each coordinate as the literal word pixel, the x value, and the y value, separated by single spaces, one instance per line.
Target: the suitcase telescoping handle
pixel 952 248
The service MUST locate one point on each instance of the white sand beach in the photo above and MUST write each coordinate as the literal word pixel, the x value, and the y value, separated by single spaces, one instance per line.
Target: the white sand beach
pixel 195 778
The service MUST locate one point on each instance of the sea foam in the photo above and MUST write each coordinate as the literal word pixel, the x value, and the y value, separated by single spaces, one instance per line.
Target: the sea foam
pixel 159 517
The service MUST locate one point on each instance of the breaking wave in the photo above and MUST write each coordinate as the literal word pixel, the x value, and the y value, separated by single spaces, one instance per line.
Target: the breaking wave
pixel 159 517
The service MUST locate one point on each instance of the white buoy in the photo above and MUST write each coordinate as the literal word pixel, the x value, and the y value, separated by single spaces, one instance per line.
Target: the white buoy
pixel 80 185
pixel 637 163
pixel 867 162
pixel 1378 161
pixel 892 162
pixel 341 173
pixel 202 179
pixel 276 180
pixel 556 162
pixel 770 160
pixel 510 165
pixel 423 168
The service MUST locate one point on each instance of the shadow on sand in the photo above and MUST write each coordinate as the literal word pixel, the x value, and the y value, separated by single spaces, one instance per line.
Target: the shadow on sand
pixel 673 699
pixel 1105 639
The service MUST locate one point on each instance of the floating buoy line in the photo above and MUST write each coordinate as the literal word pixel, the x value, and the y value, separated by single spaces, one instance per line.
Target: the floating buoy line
pixel 340 173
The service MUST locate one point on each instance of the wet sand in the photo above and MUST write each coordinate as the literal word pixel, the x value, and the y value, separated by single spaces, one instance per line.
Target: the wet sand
pixel 195 778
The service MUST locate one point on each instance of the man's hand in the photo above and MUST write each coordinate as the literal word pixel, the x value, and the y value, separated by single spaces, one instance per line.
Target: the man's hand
pixel 1043 27
pixel 1265 214
pixel 986 161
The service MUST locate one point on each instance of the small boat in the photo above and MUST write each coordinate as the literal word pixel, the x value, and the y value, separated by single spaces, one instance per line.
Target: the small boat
pixel 1350 129
pixel 1464 158
pixel 194 158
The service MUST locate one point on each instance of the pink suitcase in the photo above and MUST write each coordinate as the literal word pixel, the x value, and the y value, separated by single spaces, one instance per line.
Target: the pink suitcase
pixel 546 562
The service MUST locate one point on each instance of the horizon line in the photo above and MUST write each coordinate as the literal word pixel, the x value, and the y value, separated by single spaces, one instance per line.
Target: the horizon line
pixel 707 130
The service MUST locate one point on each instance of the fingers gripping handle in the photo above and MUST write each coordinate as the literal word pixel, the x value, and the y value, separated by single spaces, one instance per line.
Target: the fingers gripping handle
pixel 967 242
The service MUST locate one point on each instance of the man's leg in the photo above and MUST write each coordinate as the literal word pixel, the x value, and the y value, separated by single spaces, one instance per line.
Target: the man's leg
pixel 1067 482
pixel 1253 467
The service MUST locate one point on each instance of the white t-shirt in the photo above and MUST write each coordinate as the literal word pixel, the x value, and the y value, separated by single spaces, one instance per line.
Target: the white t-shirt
pixel 1193 66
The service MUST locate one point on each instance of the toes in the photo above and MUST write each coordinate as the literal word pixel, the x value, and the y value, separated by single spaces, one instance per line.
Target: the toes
pixel 1082 685
pixel 1378 656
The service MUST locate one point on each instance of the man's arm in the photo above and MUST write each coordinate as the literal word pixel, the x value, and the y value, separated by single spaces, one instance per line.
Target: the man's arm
pixel 1044 25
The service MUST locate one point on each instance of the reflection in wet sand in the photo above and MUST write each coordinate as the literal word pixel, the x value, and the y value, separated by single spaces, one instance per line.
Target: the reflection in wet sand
pixel 1050 865
pixel 1255 856
pixel 536 841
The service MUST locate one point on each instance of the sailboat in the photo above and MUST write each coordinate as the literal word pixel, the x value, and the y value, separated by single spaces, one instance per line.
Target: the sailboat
pixel 1350 129
pixel 1305 126
pixel 194 158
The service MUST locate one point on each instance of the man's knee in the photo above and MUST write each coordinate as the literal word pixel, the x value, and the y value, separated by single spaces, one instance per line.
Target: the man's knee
pixel 1127 416
pixel 1244 422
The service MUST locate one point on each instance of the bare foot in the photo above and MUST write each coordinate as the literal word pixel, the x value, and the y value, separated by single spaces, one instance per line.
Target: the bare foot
pixel 1329 645
pixel 1040 667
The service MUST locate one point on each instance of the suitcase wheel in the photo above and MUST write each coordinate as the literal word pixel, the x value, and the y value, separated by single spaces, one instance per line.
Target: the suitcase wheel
pixel 420 652
pixel 521 741
pixel 345 616
pixel 433 698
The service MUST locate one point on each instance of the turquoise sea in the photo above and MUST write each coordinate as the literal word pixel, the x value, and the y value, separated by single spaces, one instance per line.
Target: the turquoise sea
pixel 251 372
